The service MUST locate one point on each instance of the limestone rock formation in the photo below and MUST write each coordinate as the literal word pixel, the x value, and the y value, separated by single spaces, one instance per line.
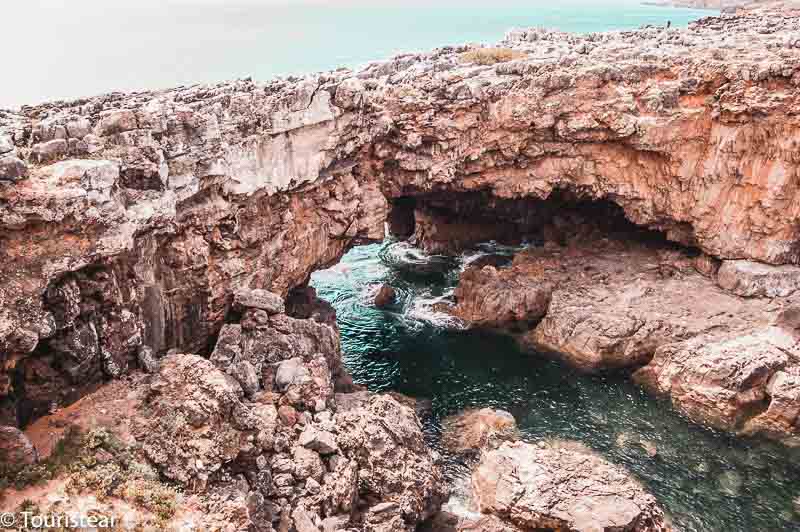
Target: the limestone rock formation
pixel 263 407
pixel 626 299
pixel 501 299
pixel 16 448
pixel 743 381
pixel 560 485
pixel 131 221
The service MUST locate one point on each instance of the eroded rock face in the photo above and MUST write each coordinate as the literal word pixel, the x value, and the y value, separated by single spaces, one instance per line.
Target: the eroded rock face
pixel 300 457
pixel 15 447
pixel 501 299
pixel 130 220
pixel 752 279
pixel 629 300
pixel 743 381
pixel 562 486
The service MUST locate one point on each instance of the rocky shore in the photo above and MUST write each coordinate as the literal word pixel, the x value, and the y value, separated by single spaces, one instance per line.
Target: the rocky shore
pixel 547 485
pixel 266 434
pixel 174 232
pixel 725 352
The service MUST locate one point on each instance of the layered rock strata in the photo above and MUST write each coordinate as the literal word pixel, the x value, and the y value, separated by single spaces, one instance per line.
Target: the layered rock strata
pixel 129 220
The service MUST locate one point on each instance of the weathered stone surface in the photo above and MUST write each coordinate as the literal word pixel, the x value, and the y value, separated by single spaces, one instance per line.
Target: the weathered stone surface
pixel 298 358
pixel 160 205
pixel 12 168
pixel 147 360
pixel 615 301
pixel 475 430
pixel 725 380
pixel 191 421
pixel 379 433
pixel 6 144
pixel 560 485
pixel 622 302
pixel 245 185
pixel 260 299
pixel 501 299
pixel 753 279
pixel 781 418
pixel 203 421
pixel 15 448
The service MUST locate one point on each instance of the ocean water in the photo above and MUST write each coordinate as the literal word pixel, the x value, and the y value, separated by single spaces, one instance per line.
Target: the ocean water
pixel 75 48
pixel 707 481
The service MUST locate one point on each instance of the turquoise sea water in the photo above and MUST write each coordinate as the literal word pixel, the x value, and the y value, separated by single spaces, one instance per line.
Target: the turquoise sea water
pixel 76 48
pixel 707 481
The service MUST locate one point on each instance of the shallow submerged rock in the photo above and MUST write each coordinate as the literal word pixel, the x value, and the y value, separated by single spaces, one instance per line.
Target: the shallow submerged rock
pixel 561 485
pixel 385 296
pixel 477 429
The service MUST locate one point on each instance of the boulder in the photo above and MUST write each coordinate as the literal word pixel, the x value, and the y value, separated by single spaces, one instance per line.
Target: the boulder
pixel 501 299
pixel 147 360
pixel 474 430
pixel 260 299
pixel 192 418
pixel 754 279
pixel 12 168
pixel 385 296
pixel 558 485
pixel 322 441
pixel 720 380
pixel 15 447
pixel 290 372
pixel 379 433
pixel 6 144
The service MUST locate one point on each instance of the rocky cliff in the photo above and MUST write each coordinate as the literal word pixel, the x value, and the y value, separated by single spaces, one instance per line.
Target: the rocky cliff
pixel 129 220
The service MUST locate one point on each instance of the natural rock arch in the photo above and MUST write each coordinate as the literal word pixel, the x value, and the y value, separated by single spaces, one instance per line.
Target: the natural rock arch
pixel 129 219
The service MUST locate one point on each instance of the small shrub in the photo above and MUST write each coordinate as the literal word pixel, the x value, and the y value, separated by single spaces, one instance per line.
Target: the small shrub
pixel 158 498
pixel 490 56
pixel 97 462
pixel 66 452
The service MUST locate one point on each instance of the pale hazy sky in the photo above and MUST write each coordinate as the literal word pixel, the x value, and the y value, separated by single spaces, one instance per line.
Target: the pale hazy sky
pixel 55 49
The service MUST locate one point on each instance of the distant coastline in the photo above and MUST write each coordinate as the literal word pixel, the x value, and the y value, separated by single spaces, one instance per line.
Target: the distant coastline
pixel 715 5
pixel 690 4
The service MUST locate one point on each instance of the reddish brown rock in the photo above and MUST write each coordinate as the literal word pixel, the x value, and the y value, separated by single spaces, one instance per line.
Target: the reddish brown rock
pixel 501 299
pixel 131 220
pixel 562 486
pixel 385 296
pixel 15 447
pixel 617 302
pixel 474 430
pixel 743 381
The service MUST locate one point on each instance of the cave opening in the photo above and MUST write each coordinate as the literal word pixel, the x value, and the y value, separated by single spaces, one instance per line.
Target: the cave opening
pixel 449 223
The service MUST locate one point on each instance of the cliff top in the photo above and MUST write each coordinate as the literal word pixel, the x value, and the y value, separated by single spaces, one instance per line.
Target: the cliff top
pixel 744 46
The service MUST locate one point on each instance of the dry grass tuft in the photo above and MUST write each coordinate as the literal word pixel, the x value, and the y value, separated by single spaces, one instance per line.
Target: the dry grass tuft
pixel 491 56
